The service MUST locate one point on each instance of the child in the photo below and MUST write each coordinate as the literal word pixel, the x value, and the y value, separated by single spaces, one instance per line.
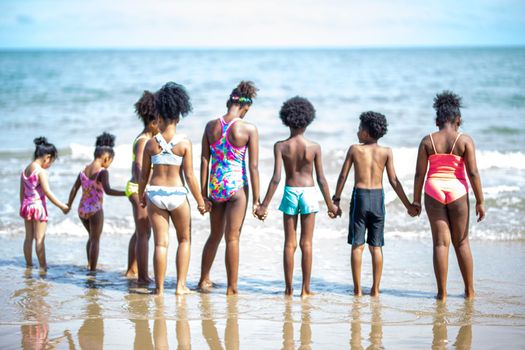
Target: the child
pixel 299 156
pixel 225 142
pixel 367 208
pixel 34 188
pixel 138 244
pixel 446 190
pixel 94 180
pixel 166 195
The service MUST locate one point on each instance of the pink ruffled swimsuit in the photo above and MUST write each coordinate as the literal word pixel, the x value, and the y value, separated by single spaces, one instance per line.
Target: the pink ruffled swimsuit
pixel 92 196
pixel 446 180
pixel 34 203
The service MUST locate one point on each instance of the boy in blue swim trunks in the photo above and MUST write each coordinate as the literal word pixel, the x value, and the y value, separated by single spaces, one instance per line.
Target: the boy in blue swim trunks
pixel 299 156
pixel 367 207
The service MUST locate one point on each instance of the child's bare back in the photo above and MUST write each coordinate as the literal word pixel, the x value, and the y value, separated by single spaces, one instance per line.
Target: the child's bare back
pixel 298 155
pixel 369 161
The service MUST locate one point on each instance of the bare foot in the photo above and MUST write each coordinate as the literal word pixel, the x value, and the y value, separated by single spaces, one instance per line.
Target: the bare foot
pixel 469 295
pixel 306 294
pixel 205 284
pixel 159 291
pixel 146 280
pixel 231 291
pixel 441 296
pixel 358 292
pixel 288 291
pixel 374 292
pixel 130 274
pixel 181 290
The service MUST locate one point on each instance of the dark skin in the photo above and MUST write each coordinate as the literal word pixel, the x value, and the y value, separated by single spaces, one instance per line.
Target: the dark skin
pixel 95 222
pixel 170 176
pixel 370 161
pixel 299 156
pixel 227 218
pixel 139 241
pixel 450 222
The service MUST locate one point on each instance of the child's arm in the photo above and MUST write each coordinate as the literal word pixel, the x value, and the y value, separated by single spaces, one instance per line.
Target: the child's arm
pixel 73 191
pixel 396 184
pixel 144 174
pixel 187 167
pixel 323 184
pixel 262 210
pixel 42 177
pixel 421 171
pixel 21 191
pixel 343 175
pixel 253 154
pixel 103 177
pixel 473 175
pixel 205 170
pixel 139 151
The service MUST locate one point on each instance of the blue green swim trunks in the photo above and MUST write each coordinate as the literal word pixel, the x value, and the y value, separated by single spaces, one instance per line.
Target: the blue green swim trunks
pixel 299 200
pixel 367 213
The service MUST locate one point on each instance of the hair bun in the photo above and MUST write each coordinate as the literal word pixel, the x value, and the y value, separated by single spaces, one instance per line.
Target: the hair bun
pixel 40 141
pixel 245 89
pixel 447 99
pixel 106 139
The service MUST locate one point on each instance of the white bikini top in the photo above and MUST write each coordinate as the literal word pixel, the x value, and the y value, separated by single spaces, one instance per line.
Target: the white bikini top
pixel 166 156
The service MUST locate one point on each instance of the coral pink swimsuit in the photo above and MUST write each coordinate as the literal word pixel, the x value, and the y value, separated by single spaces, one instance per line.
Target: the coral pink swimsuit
pixel 446 180
pixel 34 202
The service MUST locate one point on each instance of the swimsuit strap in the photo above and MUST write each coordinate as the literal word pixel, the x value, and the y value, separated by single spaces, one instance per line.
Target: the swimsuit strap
pixel 163 144
pixel 433 144
pixel 230 124
pixel 454 145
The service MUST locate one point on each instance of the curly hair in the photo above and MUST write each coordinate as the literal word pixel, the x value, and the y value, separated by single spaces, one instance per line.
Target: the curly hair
pixel 297 112
pixel 145 107
pixel 447 105
pixel 104 144
pixel 374 123
pixel 44 148
pixel 172 101
pixel 243 94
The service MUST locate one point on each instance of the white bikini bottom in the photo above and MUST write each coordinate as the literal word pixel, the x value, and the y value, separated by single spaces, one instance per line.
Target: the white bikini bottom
pixel 165 197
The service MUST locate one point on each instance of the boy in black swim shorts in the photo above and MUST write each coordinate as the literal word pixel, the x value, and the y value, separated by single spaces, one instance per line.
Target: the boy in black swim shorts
pixel 367 208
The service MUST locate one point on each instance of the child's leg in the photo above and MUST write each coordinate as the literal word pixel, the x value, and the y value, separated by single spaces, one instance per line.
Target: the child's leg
pixel 28 242
pixel 235 214
pixel 212 244
pixel 85 222
pixel 143 229
pixel 377 268
pixel 160 224
pixel 307 233
pixel 458 213
pixel 439 224
pixel 40 248
pixel 132 259
pixel 290 245
pixel 356 259
pixel 96 223
pixel 181 218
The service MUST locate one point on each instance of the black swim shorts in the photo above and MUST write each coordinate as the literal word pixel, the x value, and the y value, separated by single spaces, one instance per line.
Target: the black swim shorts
pixel 367 213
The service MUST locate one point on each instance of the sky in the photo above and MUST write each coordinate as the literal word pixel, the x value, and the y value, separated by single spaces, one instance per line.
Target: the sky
pixel 259 23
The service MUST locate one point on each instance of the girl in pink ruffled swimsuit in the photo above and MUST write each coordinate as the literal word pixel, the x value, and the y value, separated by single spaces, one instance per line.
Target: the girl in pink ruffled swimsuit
pixel 34 188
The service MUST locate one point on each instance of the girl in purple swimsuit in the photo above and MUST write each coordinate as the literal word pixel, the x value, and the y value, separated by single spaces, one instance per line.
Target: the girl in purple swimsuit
pixel 34 188
pixel 94 180
pixel 224 181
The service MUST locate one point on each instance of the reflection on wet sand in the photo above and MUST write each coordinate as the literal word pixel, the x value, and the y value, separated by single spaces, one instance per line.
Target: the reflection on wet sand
pixel 439 328
pixel 305 332
pixel 138 305
pixel 34 307
pixel 91 333
pixel 376 325
pixel 209 326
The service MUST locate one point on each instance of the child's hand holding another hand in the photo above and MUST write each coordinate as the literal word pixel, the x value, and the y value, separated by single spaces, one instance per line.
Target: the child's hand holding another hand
pixel 261 212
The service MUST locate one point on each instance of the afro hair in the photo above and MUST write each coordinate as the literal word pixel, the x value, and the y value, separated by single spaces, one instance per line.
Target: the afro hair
pixel 172 101
pixel 374 123
pixel 447 105
pixel 297 112
pixel 145 108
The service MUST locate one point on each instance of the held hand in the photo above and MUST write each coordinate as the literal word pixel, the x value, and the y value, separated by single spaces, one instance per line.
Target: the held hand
pixel 202 209
pixel 480 211
pixel 208 204
pixel 417 207
pixel 143 201
pixel 65 209
pixel 261 212
pixel 337 210
pixel 333 211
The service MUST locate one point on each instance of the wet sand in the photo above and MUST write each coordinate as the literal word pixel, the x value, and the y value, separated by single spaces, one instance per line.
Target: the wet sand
pixel 73 309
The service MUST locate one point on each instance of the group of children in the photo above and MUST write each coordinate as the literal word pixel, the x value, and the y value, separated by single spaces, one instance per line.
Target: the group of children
pixel 162 173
